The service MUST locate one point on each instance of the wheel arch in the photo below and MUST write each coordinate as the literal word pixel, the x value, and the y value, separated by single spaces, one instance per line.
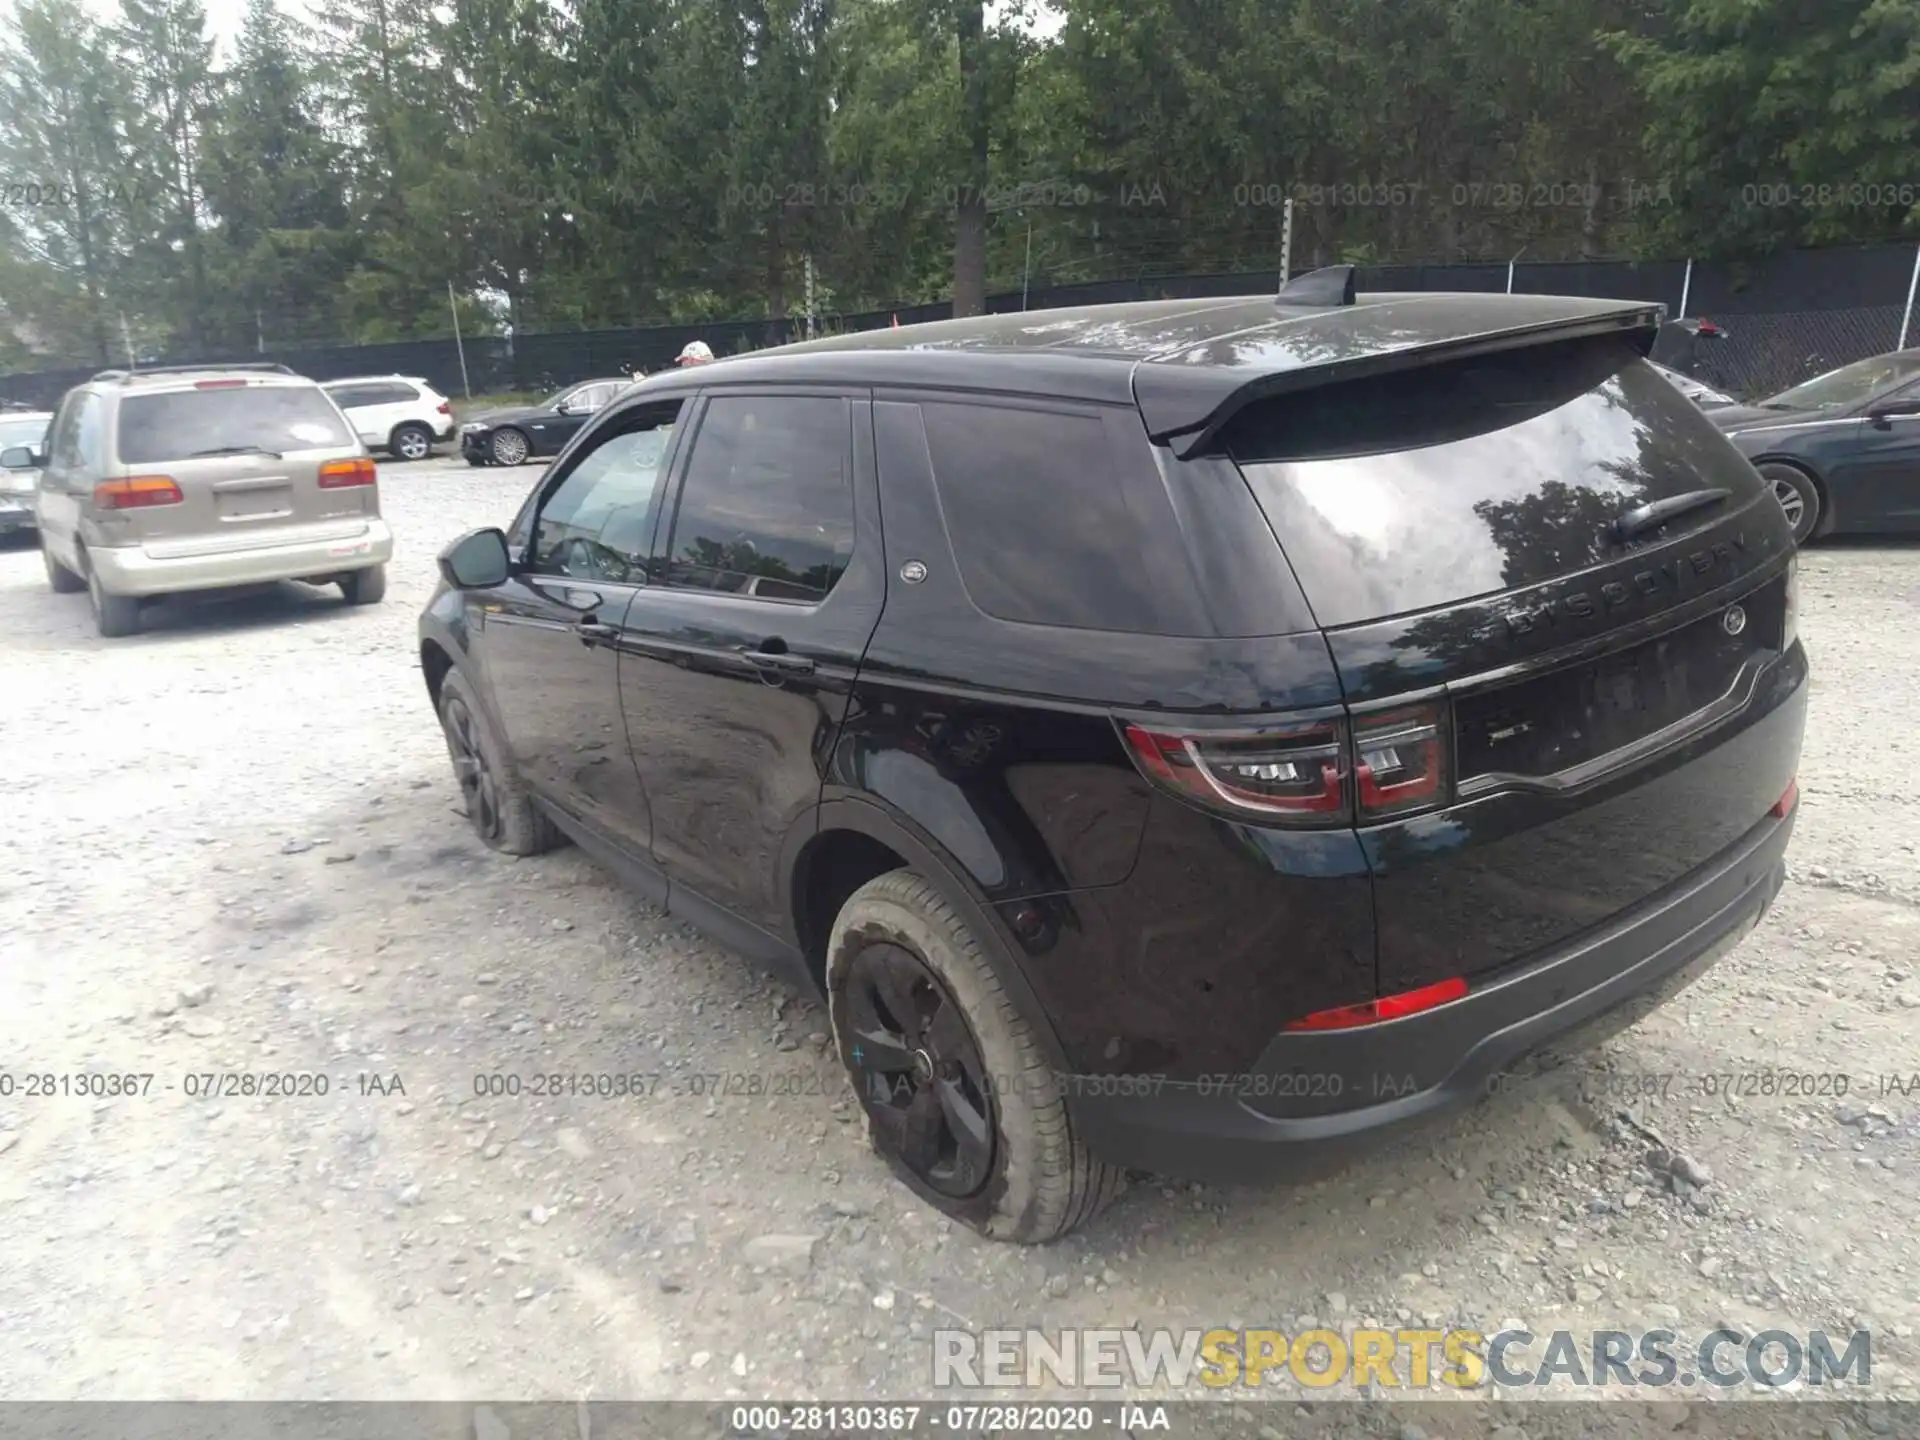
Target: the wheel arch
pixel 853 841
pixel 393 435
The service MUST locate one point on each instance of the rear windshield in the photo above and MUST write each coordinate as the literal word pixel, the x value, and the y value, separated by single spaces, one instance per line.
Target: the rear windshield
pixel 1432 487
pixel 184 424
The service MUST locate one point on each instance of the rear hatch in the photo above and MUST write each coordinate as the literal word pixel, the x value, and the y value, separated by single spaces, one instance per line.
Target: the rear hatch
pixel 250 459
pixel 1540 550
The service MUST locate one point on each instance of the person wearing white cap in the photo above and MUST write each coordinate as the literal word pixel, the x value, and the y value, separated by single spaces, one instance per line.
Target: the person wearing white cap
pixel 696 353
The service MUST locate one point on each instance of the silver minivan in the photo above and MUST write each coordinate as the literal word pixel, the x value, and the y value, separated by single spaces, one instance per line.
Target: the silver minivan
pixel 155 482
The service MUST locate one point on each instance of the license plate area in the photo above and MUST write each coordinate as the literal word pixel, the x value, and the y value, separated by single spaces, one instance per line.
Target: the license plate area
pixel 1555 722
pixel 257 502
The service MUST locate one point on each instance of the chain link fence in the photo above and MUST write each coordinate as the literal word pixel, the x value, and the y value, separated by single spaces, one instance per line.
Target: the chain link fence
pixel 1764 349
pixel 1759 355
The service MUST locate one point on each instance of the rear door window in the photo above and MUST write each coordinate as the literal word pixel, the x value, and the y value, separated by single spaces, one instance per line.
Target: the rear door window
pixel 186 424
pixel 1053 523
pixel 1433 487
pixel 766 508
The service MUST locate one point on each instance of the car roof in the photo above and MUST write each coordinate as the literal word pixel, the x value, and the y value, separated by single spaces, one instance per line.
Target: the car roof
pixel 164 378
pixel 1184 362
pixel 369 379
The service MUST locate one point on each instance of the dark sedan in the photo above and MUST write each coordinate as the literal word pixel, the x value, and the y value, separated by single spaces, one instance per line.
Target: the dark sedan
pixel 514 436
pixel 1841 451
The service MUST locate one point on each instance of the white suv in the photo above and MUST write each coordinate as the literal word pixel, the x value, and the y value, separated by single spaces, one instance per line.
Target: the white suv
pixel 401 414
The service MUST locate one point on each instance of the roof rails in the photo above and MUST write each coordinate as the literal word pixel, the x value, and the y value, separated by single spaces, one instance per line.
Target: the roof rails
pixel 261 367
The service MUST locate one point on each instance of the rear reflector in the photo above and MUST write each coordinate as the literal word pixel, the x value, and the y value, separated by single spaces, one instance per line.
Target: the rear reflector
pixel 1387 1007
pixel 338 474
pixel 1783 807
pixel 219 384
pixel 136 492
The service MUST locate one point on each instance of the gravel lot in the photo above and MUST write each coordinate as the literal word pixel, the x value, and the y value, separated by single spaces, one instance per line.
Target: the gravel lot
pixel 233 845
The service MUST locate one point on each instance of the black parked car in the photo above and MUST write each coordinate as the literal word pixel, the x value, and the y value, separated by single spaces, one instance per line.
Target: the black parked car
pixel 1842 451
pixel 513 436
pixel 1201 736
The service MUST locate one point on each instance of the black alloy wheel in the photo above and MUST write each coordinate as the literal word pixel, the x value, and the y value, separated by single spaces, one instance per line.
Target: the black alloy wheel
pixel 478 786
pixel 919 1070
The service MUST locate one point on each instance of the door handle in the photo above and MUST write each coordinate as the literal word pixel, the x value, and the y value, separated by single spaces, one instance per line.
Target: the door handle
pixel 590 631
pixel 778 660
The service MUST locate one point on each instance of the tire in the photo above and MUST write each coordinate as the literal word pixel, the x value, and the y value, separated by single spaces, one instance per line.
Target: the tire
pixel 509 446
pixel 410 441
pixel 365 587
pixel 113 615
pixel 1799 498
pixel 1039 1182
pixel 499 808
pixel 62 580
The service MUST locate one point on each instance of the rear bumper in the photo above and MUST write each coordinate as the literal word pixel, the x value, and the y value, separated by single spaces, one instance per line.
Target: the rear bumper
pixel 130 570
pixel 1322 1096
pixel 16 513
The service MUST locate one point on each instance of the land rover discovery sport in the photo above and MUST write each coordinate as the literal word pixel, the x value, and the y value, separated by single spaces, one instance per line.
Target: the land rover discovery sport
pixel 1202 736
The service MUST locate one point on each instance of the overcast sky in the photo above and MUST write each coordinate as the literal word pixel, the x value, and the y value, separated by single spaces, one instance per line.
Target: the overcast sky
pixel 224 17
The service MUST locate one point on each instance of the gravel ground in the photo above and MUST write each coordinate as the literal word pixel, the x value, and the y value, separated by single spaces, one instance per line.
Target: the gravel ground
pixel 233 845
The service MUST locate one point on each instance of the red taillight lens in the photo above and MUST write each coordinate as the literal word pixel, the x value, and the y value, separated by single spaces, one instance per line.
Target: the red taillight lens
pixel 1783 807
pixel 1387 1007
pixel 219 384
pixel 136 492
pixel 1297 772
pixel 1400 760
pixel 338 474
pixel 444 408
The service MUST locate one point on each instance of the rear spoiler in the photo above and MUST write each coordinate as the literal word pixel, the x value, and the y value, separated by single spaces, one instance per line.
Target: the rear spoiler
pixel 1185 408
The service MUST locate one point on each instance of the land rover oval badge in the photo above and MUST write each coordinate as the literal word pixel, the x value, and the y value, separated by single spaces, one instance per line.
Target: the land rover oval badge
pixel 1734 621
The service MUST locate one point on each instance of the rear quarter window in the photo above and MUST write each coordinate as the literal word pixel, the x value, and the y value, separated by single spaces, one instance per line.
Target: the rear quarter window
pixel 183 424
pixel 1055 520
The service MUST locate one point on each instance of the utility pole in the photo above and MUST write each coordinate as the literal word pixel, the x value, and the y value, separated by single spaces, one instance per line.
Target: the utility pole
pixel 466 386
pixel 1286 241
pixel 1026 268
pixel 809 259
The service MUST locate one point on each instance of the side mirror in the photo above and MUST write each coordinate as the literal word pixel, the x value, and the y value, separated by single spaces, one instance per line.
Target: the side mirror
pixel 19 457
pixel 565 407
pixel 478 560
pixel 1881 414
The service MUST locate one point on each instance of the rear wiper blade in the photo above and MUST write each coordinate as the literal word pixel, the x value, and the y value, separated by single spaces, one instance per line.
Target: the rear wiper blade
pixel 1656 513
pixel 237 450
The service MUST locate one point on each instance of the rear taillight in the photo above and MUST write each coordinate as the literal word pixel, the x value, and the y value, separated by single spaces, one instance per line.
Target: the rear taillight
pixel 1315 774
pixel 1297 772
pixel 1400 760
pixel 444 408
pixel 1387 1007
pixel 1783 807
pixel 136 492
pixel 339 474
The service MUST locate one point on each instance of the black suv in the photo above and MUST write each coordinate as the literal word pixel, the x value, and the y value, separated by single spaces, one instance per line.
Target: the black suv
pixel 1196 736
